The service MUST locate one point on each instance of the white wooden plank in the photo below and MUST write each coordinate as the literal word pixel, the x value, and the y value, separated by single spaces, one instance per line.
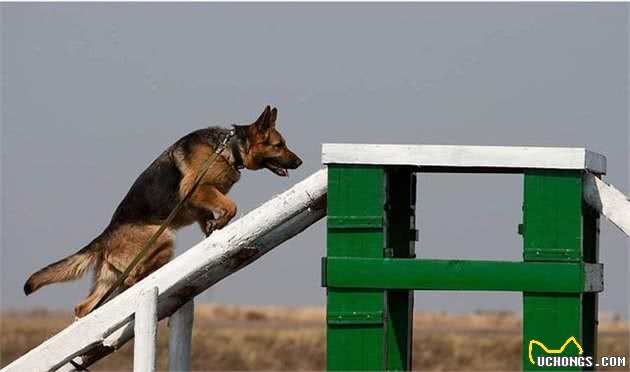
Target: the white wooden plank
pixel 145 342
pixel 179 339
pixel 110 344
pixel 464 156
pixel 223 253
pixel 608 201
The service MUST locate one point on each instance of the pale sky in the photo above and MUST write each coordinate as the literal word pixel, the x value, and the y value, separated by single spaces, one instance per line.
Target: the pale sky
pixel 92 93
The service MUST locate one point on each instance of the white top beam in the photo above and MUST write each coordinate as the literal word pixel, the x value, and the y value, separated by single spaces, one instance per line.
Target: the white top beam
pixel 458 157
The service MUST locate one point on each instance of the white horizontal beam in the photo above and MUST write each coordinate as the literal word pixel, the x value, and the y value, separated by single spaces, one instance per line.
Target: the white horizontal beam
pixel 223 253
pixel 443 156
pixel 609 201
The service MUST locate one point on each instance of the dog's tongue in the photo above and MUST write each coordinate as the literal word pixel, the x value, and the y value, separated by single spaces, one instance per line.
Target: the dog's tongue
pixel 282 172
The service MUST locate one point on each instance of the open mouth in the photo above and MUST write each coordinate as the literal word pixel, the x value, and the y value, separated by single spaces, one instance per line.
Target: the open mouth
pixel 277 169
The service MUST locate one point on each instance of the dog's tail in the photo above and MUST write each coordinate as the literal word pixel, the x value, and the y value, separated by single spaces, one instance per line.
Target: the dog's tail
pixel 69 268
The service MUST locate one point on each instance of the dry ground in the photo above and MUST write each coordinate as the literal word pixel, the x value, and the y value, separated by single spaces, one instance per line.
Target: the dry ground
pixel 266 338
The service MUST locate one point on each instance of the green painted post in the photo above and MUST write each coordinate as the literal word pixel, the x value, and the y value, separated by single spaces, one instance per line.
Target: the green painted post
pixel 355 317
pixel 590 249
pixel 400 243
pixel 552 231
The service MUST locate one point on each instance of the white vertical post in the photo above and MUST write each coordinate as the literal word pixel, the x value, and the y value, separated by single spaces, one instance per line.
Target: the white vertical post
pixel 179 338
pixel 145 329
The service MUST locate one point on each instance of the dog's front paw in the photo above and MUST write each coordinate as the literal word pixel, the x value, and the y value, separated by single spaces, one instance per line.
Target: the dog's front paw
pixel 130 280
pixel 209 226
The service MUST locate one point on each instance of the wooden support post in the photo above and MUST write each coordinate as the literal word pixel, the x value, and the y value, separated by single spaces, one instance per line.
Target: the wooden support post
pixel 370 215
pixel 146 331
pixel 355 317
pixel 590 247
pixel 552 232
pixel 400 236
pixel 179 338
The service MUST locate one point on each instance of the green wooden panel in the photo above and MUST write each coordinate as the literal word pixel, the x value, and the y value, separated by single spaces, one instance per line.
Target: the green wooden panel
pixel 552 231
pixel 552 216
pixel 356 195
pixel 400 220
pixel 457 275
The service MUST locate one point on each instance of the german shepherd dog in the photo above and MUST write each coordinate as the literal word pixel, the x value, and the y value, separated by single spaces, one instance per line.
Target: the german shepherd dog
pixel 156 192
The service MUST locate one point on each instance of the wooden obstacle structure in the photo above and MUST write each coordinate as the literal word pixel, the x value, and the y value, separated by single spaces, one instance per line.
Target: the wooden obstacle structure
pixel 370 270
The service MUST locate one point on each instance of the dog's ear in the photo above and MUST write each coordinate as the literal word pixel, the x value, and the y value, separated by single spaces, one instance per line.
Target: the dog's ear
pixel 274 116
pixel 263 121
pixel 260 128
pixel 262 116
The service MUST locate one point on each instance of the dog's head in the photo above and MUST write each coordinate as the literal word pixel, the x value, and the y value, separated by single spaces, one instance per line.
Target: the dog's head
pixel 266 148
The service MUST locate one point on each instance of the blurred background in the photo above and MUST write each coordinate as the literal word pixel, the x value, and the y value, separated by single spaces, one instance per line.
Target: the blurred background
pixel 92 93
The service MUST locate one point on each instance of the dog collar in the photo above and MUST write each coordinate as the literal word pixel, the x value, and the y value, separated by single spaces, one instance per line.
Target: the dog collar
pixel 234 143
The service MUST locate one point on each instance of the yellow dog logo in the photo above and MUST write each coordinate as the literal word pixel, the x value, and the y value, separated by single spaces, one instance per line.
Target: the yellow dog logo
pixel 553 351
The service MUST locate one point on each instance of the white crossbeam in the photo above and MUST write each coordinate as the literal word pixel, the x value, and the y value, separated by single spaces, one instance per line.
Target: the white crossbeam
pixel 463 157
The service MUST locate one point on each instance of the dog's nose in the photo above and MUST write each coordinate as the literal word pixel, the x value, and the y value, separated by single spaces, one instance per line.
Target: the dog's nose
pixel 298 162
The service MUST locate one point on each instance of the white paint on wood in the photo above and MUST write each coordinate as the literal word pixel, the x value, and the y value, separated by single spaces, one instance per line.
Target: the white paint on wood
pixel 107 346
pixel 223 253
pixel 145 341
pixel 464 156
pixel 608 201
pixel 179 337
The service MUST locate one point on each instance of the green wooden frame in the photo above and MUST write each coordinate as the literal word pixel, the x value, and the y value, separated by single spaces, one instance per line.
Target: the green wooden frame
pixel 370 271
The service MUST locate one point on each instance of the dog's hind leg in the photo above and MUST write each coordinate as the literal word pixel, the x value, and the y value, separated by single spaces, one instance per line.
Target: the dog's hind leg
pixel 159 258
pixel 104 278
pixel 122 247
pixel 127 242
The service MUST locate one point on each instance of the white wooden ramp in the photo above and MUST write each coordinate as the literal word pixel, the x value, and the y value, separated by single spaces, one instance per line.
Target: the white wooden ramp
pixel 223 253
pixel 608 201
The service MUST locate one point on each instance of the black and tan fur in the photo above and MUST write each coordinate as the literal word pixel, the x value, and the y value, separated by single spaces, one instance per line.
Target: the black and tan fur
pixel 156 192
